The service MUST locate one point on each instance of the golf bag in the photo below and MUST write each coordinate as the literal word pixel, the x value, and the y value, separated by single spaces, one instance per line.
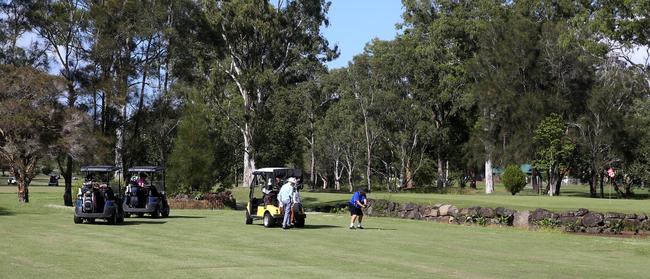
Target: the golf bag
pixel 135 196
pixel 87 201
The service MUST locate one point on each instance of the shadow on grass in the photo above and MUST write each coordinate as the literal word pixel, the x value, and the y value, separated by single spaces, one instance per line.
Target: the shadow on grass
pixel 312 227
pixel 377 229
pixel 128 223
pixel 5 212
pixel 184 217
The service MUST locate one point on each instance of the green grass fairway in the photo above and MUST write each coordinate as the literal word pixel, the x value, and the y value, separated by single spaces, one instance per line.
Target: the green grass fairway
pixel 574 197
pixel 39 240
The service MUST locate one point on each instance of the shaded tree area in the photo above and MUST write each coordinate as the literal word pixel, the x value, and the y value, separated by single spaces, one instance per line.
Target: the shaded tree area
pixel 214 89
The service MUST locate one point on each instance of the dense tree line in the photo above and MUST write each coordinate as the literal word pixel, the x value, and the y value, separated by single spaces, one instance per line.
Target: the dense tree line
pixel 215 89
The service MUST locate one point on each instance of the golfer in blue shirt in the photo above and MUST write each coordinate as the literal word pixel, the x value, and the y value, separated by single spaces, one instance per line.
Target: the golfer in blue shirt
pixel 357 202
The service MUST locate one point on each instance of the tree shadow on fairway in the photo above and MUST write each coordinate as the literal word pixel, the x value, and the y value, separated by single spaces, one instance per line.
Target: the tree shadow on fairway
pixel 184 217
pixel 311 227
pixel 5 212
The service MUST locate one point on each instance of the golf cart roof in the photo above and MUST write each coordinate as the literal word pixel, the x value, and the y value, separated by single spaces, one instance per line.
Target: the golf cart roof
pixel 146 169
pixel 284 172
pixel 99 168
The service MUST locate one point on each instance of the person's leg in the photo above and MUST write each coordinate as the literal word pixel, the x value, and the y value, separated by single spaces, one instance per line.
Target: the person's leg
pixel 287 215
pixel 353 215
pixel 360 217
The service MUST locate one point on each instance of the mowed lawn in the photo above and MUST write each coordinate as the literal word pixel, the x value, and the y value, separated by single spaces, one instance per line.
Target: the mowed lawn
pixel 40 240
pixel 574 197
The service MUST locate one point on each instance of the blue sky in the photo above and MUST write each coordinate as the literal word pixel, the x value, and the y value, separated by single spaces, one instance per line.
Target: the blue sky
pixel 353 23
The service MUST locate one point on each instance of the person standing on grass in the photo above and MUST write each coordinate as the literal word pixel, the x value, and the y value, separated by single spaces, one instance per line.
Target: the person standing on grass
pixel 356 204
pixel 285 196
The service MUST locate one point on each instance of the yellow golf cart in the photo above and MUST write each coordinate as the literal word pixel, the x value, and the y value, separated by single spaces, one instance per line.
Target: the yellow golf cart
pixel 265 206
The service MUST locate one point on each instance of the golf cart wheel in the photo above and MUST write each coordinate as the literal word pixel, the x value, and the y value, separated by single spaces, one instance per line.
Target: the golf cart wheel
pixel 155 213
pixel 113 219
pixel 120 220
pixel 165 212
pixel 300 222
pixel 78 220
pixel 268 220
pixel 249 219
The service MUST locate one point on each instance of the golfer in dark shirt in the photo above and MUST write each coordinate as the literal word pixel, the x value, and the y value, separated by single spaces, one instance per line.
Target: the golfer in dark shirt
pixel 357 202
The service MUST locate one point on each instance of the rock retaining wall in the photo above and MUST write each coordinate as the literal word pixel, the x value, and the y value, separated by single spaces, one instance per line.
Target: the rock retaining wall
pixel 581 220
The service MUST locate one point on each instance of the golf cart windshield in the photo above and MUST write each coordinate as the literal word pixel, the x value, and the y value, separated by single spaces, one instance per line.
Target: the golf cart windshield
pixel 263 175
pixel 101 174
pixel 153 176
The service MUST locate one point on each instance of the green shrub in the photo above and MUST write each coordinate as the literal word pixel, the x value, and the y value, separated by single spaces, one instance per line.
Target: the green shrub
pixel 547 223
pixel 513 179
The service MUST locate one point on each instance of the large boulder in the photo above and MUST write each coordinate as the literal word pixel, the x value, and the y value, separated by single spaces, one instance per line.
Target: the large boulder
pixel 630 216
pixel 429 211
pixel 409 206
pixel 452 211
pixel 614 215
pixel 521 219
pixel 473 211
pixel 592 219
pixel 569 220
pixel 486 212
pixel 444 209
pixel 581 212
pixel 541 214
pixel 504 212
pixel 567 214
pixel 414 215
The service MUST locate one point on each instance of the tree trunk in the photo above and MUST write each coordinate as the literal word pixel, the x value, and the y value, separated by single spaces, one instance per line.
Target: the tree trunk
pixel 602 188
pixel 23 191
pixel 408 175
pixel 145 71
pixel 67 178
pixel 534 181
pixel 593 183
pixel 322 177
pixel 249 156
pixel 337 176
pixel 119 145
pixel 489 183
pixel 552 179
pixel 312 163
pixel 368 148
pixel 558 184
pixel 441 173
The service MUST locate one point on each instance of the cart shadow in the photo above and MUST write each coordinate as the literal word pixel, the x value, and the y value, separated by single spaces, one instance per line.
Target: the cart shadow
pixel 5 212
pixel 311 227
pixel 129 223
pixel 183 217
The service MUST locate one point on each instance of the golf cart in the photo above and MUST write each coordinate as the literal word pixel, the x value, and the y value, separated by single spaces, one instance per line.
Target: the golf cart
pixel 54 180
pixel 99 198
pixel 266 207
pixel 146 192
